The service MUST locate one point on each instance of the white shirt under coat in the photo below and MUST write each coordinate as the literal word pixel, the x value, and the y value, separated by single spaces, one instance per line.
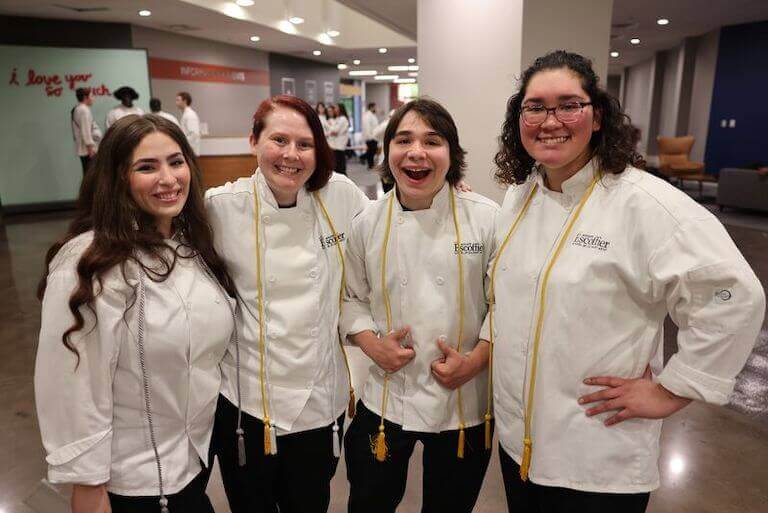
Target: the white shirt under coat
pixel 339 125
pixel 307 383
pixel 190 125
pixel 422 281
pixel 120 112
pixel 641 248
pixel 92 418
pixel 84 129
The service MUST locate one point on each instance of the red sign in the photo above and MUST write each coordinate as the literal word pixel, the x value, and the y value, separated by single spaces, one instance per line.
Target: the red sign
pixel 198 72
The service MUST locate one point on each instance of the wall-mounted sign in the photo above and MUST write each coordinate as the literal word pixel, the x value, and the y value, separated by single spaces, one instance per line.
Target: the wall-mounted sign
pixel 199 72
pixel 288 86
pixel 310 91
pixel 329 95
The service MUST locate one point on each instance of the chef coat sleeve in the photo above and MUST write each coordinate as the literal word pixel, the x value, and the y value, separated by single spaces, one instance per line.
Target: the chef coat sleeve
pixel 84 123
pixel 74 401
pixel 356 315
pixel 493 245
pixel 717 303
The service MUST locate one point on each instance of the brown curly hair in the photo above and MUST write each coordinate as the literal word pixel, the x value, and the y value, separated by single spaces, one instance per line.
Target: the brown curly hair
pixel 613 146
pixel 121 229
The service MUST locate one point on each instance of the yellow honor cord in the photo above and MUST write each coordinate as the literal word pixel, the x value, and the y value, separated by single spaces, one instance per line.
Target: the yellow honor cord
pixel 460 259
pixel 528 441
pixel 512 229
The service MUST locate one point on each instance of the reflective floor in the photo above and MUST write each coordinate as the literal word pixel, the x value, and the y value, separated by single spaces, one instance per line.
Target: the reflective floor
pixel 713 459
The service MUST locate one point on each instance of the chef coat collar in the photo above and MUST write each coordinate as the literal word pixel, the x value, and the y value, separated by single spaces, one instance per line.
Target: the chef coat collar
pixel 440 203
pixel 574 186
pixel 303 200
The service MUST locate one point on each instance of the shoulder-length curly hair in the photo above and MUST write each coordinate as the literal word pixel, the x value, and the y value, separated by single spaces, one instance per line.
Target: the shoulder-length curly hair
pixel 122 230
pixel 613 146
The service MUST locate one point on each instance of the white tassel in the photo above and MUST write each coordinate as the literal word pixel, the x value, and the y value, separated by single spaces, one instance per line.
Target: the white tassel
pixel 336 443
pixel 273 439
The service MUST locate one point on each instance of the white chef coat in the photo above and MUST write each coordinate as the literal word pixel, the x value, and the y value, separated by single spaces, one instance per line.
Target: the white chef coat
pixel 370 122
pixel 120 112
pixel 641 248
pixel 422 281
pixel 338 124
pixel 170 117
pixel 84 129
pixel 92 417
pixel 307 385
pixel 190 125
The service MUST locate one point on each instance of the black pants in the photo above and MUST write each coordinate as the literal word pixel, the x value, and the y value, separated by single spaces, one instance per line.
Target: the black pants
pixel 341 161
pixel 191 499
pixel 295 480
pixel 451 485
pixel 370 153
pixel 85 161
pixel 528 497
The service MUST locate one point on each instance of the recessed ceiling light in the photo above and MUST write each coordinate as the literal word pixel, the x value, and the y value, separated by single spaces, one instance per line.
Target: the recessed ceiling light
pixel 145 12
pixel 342 66
pixel 363 73
pixel 386 77
pixel 635 41
pixel 662 21
pixel 244 3
pixel 411 60
pixel 397 68
pixel 296 20
pixel 317 52
pixel 333 33
pixel 255 38
pixel 405 81
pixel 356 62
pixel 413 74
pixel 382 50
pixel 614 54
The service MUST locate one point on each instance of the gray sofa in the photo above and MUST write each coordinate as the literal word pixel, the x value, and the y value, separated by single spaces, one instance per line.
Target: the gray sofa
pixel 742 188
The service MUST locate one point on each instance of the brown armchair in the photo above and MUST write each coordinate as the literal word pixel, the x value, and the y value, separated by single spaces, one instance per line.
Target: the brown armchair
pixel 675 164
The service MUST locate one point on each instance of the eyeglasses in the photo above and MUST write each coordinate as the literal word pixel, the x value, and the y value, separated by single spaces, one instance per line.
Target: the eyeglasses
pixel 569 112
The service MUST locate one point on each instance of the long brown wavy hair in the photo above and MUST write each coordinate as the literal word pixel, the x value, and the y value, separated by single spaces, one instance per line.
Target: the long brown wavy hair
pixel 122 231
pixel 613 146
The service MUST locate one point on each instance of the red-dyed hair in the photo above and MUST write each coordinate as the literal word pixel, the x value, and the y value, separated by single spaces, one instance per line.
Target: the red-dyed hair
pixel 323 155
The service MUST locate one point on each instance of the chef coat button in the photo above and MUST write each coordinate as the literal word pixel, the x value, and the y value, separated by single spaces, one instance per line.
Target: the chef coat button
pixel 266 219
pixel 217 301
pixel 306 216
pixel 272 278
pixel 313 273
pixel 440 280
pixel 188 305
pixel 404 282
pixel 400 220
pixel 439 221
pixel 503 267
pixel 314 332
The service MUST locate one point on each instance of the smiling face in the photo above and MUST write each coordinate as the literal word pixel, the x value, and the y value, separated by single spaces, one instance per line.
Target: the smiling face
pixel 159 179
pixel 561 148
pixel 419 159
pixel 285 151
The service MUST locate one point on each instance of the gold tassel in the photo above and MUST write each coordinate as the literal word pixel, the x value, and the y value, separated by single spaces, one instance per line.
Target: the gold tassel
pixel 381 445
pixel 526 464
pixel 460 452
pixel 267 439
pixel 352 402
pixel 487 431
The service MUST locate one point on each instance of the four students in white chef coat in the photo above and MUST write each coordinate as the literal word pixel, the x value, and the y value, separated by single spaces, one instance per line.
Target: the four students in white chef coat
pixel 137 313
pixel 416 261
pixel 593 254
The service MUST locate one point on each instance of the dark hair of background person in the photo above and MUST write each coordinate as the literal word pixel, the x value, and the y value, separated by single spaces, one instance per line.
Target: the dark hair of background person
pixel 81 93
pixel 324 161
pixel 613 146
pixel 186 97
pixel 440 120
pixel 341 110
pixel 371 105
pixel 155 105
pixel 122 230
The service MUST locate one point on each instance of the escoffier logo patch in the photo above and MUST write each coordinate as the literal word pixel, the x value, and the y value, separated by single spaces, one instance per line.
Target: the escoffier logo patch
pixel 587 240
pixel 469 248
pixel 331 240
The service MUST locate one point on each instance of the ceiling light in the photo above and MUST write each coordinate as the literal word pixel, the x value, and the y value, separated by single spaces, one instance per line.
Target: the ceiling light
pixel 413 68
pixel 382 50
pixel 411 60
pixel 405 81
pixel 356 62
pixel 145 12
pixel 244 3
pixel 386 77
pixel 662 21
pixel 635 41
pixel 255 38
pixel 397 68
pixel 316 52
pixel 413 74
pixel 296 20
pixel 363 73
pixel 342 66
pixel 614 54
pixel 333 33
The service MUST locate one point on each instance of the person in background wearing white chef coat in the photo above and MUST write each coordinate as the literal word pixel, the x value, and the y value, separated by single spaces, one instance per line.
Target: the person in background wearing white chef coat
pixel 282 233
pixel 338 136
pixel 137 313
pixel 415 303
pixel 85 131
pixel 157 109
pixel 127 95
pixel 370 122
pixel 593 254
pixel 321 113
pixel 190 122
